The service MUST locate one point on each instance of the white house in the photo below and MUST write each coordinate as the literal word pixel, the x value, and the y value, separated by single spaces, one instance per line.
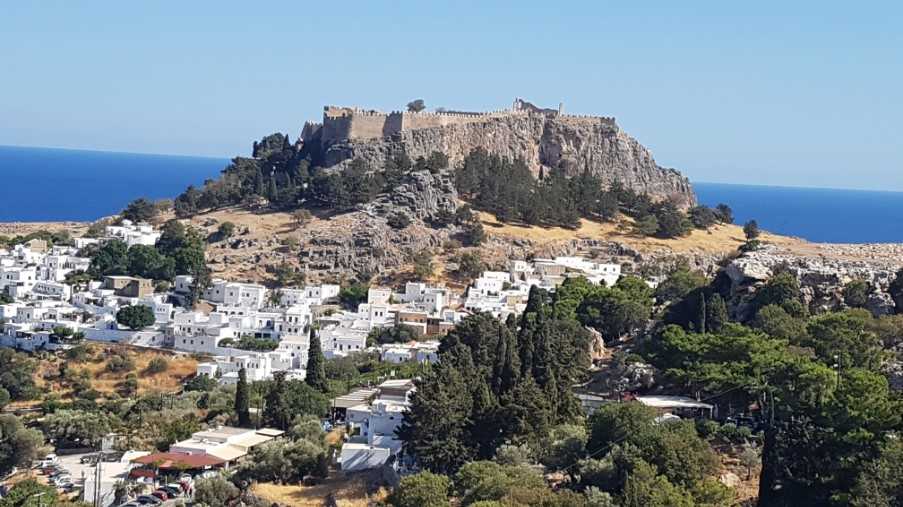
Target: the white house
pixel 132 234
pixel 374 424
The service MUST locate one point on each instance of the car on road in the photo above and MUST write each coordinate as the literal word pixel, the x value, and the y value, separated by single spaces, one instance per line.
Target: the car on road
pixel 148 500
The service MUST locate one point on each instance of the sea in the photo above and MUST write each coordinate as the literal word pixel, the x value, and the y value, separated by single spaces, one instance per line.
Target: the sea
pixel 45 184
pixel 822 215
pixel 49 184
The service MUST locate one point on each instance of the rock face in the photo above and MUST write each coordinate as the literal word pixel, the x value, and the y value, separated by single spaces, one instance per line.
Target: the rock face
pixel 546 142
pixel 367 245
pixel 821 278
pixel 421 195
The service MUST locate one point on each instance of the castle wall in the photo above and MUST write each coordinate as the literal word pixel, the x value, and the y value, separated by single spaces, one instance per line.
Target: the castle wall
pixel 367 125
pixel 394 124
pixel 341 123
pixel 425 120
pixel 580 120
pixel 310 130
pixel 336 127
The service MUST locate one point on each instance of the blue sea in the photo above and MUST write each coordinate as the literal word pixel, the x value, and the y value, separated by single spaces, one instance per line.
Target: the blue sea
pixel 816 214
pixel 42 184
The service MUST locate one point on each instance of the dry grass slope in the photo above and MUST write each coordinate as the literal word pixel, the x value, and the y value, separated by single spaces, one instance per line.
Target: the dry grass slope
pixel 180 367
pixel 719 239
pixel 350 490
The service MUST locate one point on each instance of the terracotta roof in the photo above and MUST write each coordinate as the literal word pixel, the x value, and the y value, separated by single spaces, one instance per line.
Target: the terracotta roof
pixel 179 460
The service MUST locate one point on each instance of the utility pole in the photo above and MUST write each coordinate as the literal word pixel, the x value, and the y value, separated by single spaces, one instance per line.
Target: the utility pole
pixel 97 475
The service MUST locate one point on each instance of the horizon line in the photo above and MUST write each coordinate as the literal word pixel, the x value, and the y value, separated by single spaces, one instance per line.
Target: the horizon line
pixel 797 187
pixel 118 152
pixel 229 158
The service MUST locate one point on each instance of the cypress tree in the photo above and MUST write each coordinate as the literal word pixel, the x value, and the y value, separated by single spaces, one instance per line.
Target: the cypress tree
pixel 511 365
pixel 272 191
pixel 275 414
pixel 700 319
pixel 511 322
pixel 530 322
pixel 243 399
pixel 484 425
pixel 498 368
pixel 316 369
pixel 258 183
pixel 716 313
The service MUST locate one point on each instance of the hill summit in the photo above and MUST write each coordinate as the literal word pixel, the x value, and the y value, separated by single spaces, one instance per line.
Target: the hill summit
pixel 547 140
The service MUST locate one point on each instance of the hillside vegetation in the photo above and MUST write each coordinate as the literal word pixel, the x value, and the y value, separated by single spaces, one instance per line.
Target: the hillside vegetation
pixel 108 369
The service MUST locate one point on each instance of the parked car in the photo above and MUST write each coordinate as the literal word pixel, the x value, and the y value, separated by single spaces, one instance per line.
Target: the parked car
pixel 88 459
pixel 148 500
pixel 171 492
pixel 62 479
pixel 48 460
pixel 160 494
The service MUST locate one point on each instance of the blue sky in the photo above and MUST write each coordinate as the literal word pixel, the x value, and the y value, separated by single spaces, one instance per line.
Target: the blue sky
pixel 782 93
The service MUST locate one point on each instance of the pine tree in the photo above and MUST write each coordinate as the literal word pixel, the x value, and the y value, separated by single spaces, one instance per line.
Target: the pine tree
pixel 316 369
pixel 243 399
pixel 435 428
pixel 716 313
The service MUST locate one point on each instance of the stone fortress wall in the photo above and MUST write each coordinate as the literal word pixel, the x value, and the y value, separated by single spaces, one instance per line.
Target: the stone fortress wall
pixel 352 123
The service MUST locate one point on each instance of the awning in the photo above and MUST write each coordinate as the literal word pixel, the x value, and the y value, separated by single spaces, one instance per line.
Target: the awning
pixel 178 460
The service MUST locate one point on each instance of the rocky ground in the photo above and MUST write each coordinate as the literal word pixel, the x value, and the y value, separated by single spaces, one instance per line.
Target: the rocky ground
pixel 12 229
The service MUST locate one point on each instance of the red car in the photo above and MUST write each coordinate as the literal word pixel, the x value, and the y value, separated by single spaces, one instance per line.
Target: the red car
pixel 160 494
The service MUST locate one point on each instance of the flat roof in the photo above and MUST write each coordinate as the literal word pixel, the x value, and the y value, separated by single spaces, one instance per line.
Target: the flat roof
pixel 353 398
pixel 227 452
pixel 405 382
pixel 664 401
pixel 221 432
pixel 250 440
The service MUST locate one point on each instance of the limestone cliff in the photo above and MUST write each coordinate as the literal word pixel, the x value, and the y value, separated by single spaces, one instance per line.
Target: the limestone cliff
pixel 547 142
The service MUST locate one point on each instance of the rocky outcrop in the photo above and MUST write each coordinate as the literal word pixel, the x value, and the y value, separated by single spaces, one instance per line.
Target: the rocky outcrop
pixel 822 278
pixel 420 195
pixel 367 245
pixel 545 142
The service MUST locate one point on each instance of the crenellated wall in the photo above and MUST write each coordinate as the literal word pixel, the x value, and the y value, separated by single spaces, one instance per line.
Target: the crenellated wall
pixel 352 123
pixel 545 141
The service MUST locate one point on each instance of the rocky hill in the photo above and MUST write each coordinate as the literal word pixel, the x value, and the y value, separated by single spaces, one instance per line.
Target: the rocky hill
pixel 545 140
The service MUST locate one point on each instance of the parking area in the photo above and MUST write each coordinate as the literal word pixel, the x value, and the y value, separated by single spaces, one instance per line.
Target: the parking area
pixel 79 473
pixel 83 471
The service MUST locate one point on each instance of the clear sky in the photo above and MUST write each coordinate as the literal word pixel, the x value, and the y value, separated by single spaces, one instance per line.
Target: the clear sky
pixel 783 93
